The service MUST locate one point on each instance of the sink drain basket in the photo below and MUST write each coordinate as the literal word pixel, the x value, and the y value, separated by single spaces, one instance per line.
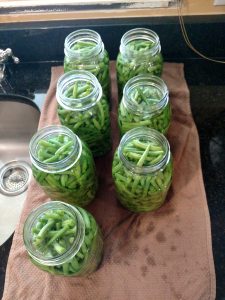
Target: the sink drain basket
pixel 14 177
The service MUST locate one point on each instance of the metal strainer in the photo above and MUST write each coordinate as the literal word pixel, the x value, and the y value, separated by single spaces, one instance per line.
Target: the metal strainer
pixel 14 177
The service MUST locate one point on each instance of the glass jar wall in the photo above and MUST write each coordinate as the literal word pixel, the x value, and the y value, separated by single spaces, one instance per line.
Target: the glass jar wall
pixel 62 239
pixel 146 103
pixel 140 53
pixel 84 50
pixel 84 109
pixel 63 165
pixel 142 169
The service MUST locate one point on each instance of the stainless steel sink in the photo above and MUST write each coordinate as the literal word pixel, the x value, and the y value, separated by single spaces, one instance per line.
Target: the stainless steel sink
pixel 19 118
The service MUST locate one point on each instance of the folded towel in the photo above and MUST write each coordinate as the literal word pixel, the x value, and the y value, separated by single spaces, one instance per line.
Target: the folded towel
pixel 161 255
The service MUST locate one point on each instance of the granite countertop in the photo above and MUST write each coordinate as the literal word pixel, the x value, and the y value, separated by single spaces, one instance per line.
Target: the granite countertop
pixel 207 90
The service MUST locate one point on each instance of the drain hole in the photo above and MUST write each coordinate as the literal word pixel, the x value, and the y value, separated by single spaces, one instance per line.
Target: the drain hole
pixel 14 177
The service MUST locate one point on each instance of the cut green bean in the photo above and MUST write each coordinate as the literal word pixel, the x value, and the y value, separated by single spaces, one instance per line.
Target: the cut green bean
pixel 56 237
pixel 141 62
pixel 97 65
pixel 144 112
pixel 76 185
pixel 91 124
pixel 143 191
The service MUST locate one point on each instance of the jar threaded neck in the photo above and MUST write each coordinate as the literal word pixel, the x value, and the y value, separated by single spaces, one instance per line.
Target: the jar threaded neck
pixel 149 135
pixel 33 218
pixel 67 81
pixel 86 35
pixel 61 165
pixel 146 81
pixel 139 34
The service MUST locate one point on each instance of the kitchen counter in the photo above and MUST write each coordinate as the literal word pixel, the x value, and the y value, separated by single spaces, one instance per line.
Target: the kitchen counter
pixel 207 90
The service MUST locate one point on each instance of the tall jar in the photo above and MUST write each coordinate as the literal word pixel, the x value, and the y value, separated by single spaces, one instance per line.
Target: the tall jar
pixel 84 50
pixel 84 109
pixel 145 102
pixel 142 169
pixel 63 165
pixel 62 239
pixel 140 53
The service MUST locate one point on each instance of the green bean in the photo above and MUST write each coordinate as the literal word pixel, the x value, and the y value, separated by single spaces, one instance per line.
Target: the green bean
pixel 141 192
pixel 83 44
pixel 56 238
pixel 141 63
pixel 98 65
pixel 143 99
pixel 92 125
pixel 77 185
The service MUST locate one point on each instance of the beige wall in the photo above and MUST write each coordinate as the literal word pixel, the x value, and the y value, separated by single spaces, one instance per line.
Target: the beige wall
pixel 191 7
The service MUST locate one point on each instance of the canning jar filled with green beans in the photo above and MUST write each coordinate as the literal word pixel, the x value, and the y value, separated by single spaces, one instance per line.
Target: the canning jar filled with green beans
pixel 62 239
pixel 145 102
pixel 140 53
pixel 83 108
pixel 84 50
pixel 142 169
pixel 63 165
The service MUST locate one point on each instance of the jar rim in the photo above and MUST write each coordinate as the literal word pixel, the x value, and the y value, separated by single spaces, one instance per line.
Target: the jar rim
pixel 33 218
pixel 137 34
pixel 61 165
pixel 150 134
pixel 83 103
pixel 147 80
pixel 79 35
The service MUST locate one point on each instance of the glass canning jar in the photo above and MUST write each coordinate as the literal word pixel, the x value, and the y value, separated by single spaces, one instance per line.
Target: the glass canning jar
pixel 140 53
pixel 63 239
pixel 63 165
pixel 142 169
pixel 84 50
pixel 84 109
pixel 145 102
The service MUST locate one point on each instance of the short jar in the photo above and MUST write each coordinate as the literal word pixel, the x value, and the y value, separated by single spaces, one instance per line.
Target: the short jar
pixel 63 165
pixel 142 169
pixel 145 102
pixel 140 53
pixel 83 108
pixel 62 239
pixel 84 50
